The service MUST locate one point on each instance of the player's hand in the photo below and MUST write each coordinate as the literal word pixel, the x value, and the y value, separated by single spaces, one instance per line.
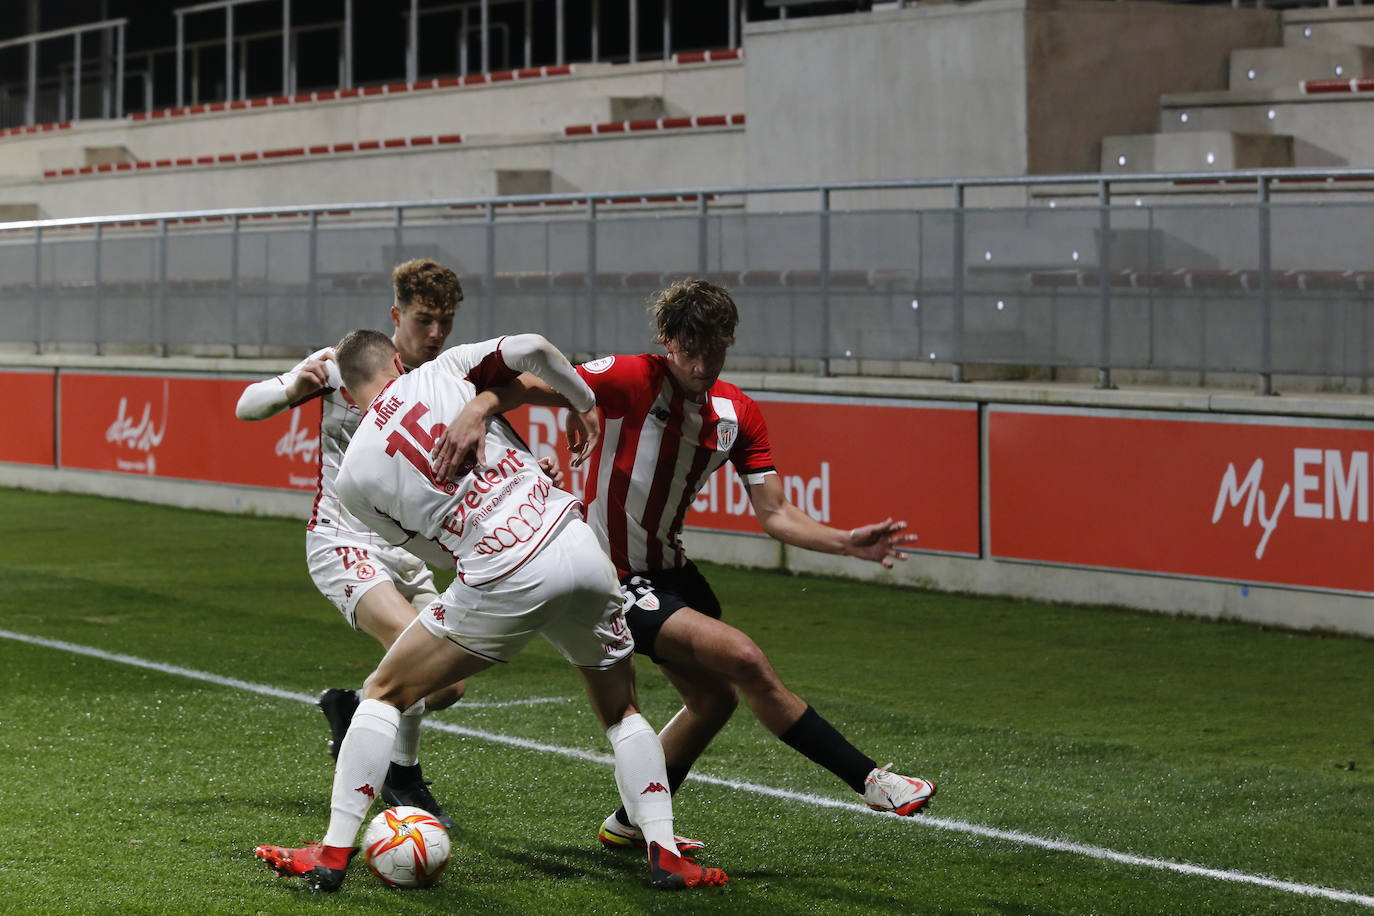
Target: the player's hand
pixel 311 377
pixel 584 430
pixel 554 471
pixel 462 446
pixel 879 542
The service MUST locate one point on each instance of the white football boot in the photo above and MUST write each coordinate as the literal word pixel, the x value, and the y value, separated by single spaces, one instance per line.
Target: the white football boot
pixel 902 795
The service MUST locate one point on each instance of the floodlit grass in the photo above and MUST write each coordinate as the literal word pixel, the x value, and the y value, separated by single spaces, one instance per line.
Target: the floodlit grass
pixel 135 791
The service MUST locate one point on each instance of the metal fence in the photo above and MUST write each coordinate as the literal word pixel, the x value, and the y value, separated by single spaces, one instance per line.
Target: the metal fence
pixel 1258 283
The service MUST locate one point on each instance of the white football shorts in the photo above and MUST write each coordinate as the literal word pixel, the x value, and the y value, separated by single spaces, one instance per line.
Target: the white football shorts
pixel 347 566
pixel 567 593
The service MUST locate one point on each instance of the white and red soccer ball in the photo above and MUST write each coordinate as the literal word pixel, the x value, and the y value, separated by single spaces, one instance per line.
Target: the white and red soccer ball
pixel 406 847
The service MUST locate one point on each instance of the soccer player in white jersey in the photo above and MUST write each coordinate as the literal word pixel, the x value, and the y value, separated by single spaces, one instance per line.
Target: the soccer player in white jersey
pixel 669 423
pixel 526 564
pixel 378 588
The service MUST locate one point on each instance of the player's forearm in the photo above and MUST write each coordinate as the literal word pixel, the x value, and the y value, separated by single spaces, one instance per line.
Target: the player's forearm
pixel 264 399
pixel 538 392
pixel 525 389
pixel 797 529
pixel 533 354
pixel 493 401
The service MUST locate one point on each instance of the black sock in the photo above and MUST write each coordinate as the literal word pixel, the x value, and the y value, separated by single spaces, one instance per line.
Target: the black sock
pixel 401 777
pixel 818 740
pixel 676 775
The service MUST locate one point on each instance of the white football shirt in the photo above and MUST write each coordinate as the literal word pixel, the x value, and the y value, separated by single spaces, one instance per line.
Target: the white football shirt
pixel 338 420
pixel 491 521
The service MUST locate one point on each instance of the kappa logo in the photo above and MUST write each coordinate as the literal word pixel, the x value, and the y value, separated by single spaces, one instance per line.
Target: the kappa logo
pixel 598 366
pixel 348 591
pixel 367 790
pixel 654 787
pixel 437 612
pixel 364 571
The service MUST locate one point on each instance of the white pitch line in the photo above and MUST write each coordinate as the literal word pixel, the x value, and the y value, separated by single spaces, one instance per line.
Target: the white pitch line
pixel 1011 836
pixel 234 682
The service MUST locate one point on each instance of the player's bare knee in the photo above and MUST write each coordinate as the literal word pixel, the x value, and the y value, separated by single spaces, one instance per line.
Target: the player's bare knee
pixel 749 668
pixel 379 686
pixel 446 697
pixel 394 695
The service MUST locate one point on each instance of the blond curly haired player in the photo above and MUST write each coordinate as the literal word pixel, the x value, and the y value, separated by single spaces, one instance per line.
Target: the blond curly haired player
pixel 377 588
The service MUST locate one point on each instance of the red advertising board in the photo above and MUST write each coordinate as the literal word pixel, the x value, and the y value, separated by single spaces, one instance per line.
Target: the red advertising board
pixel 1269 500
pixel 184 427
pixel 28 435
pixel 844 461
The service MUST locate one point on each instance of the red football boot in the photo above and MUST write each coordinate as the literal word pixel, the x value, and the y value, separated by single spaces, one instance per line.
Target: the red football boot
pixel 322 867
pixel 668 872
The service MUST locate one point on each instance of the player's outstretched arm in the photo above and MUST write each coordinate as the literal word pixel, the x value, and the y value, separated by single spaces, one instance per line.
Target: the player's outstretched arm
pixel 877 542
pixel 463 442
pixel 270 397
pixel 533 354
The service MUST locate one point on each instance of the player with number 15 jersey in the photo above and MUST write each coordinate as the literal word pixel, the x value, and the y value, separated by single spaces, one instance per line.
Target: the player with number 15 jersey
pixel 489 521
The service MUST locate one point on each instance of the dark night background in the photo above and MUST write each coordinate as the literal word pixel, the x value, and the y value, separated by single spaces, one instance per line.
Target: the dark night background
pixel 379 38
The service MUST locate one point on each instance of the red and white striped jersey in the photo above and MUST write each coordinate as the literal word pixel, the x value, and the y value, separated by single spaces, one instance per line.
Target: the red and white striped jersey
pixel 489 522
pixel 657 449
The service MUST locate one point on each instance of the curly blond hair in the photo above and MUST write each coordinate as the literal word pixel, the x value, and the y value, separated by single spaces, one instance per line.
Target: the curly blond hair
pixel 423 281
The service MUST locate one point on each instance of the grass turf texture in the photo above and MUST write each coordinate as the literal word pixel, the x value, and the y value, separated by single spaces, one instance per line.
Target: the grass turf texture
pixel 136 791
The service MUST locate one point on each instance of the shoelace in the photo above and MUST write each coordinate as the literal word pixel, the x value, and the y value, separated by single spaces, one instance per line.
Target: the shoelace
pixel 873 779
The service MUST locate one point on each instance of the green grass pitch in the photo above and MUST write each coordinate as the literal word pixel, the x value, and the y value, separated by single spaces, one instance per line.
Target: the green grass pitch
pixel 130 790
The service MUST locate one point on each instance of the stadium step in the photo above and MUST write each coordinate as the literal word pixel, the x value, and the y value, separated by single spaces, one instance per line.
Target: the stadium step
pixel 1195 151
pixel 1288 67
pixel 1316 27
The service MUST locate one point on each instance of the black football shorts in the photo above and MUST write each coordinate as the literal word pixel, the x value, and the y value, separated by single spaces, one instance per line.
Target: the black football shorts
pixel 653 597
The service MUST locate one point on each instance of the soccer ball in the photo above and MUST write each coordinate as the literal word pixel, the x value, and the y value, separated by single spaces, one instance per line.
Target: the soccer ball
pixel 406 847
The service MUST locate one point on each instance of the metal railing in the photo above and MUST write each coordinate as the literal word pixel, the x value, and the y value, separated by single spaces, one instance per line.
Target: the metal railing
pixel 1244 271
pixel 44 96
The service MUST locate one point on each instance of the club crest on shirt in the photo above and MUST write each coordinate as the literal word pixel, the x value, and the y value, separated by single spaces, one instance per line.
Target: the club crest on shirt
pixel 599 365
pixel 725 434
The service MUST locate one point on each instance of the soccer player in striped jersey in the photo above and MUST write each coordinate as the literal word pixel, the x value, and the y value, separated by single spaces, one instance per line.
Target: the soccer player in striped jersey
pixel 526 564
pixel 377 588
pixel 668 424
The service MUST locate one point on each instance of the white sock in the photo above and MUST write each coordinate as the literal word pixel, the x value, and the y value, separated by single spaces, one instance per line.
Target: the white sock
pixel 642 779
pixel 361 769
pixel 406 752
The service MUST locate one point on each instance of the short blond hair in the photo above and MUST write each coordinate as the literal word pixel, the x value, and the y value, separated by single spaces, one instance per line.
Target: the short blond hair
pixel 423 281
pixel 362 355
pixel 697 316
